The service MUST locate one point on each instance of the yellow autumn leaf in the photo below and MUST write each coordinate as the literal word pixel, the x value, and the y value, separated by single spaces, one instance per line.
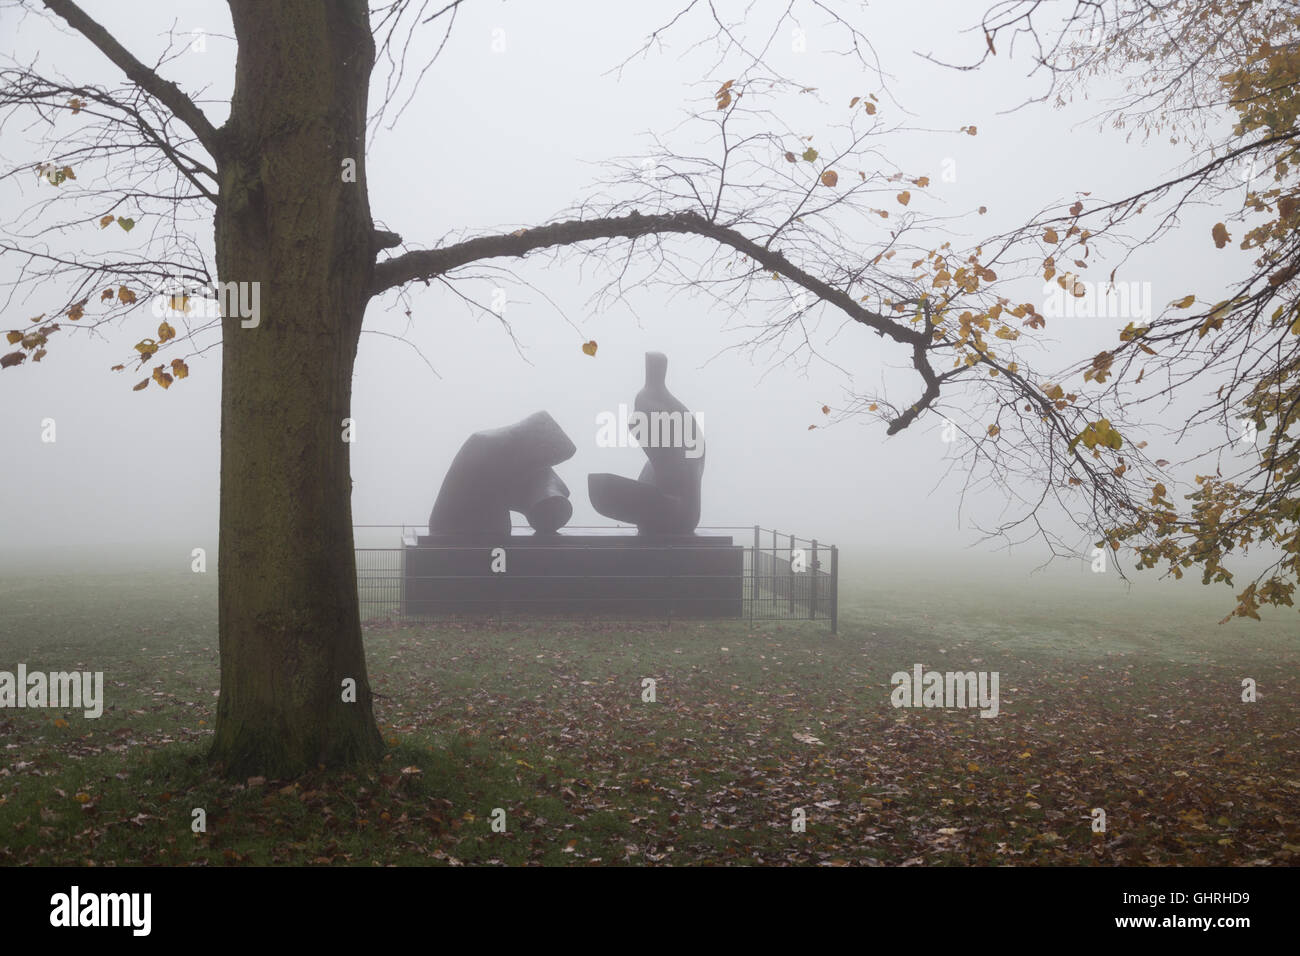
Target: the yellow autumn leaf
pixel 125 295
pixel 830 177
pixel 905 197
pixel 1212 321
pixel 166 332
pixel 1185 302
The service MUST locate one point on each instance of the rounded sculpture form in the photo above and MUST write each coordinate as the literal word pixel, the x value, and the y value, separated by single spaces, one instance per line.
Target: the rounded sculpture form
pixel 501 470
pixel 665 499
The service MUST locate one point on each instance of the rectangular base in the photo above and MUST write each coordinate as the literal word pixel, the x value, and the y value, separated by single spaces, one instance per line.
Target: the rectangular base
pixel 652 576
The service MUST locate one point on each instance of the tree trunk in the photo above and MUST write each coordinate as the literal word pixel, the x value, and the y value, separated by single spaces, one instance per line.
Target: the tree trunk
pixel 290 631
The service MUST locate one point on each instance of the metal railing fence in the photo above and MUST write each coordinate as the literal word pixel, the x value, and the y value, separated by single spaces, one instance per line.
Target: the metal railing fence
pixel 783 577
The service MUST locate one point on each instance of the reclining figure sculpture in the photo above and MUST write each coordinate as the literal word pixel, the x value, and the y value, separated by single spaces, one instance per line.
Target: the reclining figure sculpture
pixel 501 470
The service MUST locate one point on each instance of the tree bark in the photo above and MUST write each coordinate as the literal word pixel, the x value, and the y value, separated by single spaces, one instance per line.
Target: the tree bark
pixel 290 632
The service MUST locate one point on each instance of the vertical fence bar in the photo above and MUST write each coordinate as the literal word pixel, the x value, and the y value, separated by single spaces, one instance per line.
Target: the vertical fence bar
pixel 401 582
pixel 501 618
pixel 753 577
pixel 672 595
pixel 812 581
pixel 586 555
pixel 835 589
pixel 776 573
pixel 790 577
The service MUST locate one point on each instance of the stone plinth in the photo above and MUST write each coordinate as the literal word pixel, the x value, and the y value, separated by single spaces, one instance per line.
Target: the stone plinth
pixel 572 575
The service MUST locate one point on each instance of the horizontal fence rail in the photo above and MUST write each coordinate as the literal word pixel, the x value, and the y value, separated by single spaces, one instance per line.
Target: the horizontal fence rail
pixel 777 577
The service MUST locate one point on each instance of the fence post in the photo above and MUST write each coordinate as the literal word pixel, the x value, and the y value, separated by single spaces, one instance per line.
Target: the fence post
pixel 586 554
pixel 835 589
pixel 672 596
pixel 773 585
pixel 753 577
pixel 401 581
pixel 812 581
pixel 501 614
pixel 789 576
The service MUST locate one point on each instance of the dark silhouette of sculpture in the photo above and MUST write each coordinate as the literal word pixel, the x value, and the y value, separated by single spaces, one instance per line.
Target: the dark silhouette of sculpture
pixel 664 569
pixel 665 499
pixel 501 470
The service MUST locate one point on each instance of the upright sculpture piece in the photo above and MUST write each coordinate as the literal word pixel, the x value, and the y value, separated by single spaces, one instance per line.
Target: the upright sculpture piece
pixel 665 499
pixel 501 470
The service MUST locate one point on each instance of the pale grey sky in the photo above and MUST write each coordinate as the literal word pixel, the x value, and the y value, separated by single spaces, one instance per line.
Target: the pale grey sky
pixel 497 139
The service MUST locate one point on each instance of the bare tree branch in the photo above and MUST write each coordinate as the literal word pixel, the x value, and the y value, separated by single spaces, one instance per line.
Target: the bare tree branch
pixel 425 264
pixel 166 92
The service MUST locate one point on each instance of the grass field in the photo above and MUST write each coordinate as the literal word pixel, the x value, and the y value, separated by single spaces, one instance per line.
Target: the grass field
pixel 1127 703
